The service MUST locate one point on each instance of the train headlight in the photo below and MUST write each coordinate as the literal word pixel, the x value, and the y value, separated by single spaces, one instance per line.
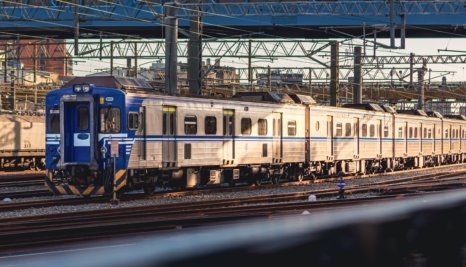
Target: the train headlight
pixel 77 88
pixel 86 88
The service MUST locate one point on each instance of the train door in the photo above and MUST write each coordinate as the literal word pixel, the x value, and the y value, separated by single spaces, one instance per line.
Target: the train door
pixel 228 136
pixel 169 135
pixel 277 143
pixel 421 137
pixel 450 139
pixel 77 132
pixel 330 137
pixel 379 137
pixel 143 133
pixel 307 134
pixel 356 137
pixel 406 137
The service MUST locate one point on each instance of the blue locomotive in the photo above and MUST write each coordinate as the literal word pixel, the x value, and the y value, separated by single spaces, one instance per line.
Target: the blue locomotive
pixel 82 122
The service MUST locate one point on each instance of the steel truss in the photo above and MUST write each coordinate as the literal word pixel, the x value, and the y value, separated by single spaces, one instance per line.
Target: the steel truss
pixel 324 8
pixel 147 11
pixel 216 49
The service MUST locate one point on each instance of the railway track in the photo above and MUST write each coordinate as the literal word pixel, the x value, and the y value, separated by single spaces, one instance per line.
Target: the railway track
pixel 190 192
pixel 19 179
pixel 8 206
pixel 28 232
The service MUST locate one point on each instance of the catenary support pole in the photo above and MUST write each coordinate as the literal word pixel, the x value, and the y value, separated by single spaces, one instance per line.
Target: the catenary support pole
pixel 195 55
pixel 171 39
pixel 334 81
pixel 357 80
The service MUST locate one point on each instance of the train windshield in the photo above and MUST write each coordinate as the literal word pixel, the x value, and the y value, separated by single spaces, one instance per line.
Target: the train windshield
pixel 110 120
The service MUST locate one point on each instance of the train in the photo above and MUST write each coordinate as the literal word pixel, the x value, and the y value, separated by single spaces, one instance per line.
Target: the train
pixel 22 141
pixel 103 137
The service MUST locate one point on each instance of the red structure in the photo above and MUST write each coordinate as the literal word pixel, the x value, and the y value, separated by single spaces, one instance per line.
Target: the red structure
pixel 46 55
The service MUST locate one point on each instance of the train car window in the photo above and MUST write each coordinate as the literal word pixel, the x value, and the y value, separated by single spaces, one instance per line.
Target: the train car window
pixel 172 123
pixel 457 133
pixel 425 132
pixel 262 123
pixel 133 121
pixel 54 121
pixel 110 120
pixel 372 130
pixel 228 124
pixel 415 132
pixel 338 129
pixel 246 126
pixel 164 123
pixel 385 131
pixel 210 125
pixel 410 132
pixel 400 132
pixel 83 118
pixel 317 126
pixel 190 124
pixel 348 129
pixel 291 128
pixel 364 130
pixel 429 133
pixel 446 133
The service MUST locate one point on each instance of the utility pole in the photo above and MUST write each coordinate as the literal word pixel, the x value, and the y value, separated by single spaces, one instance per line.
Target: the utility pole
pixel 392 24
pixel 403 31
pixel 357 81
pixel 171 39
pixel 128 67
pixel 420 85
pixel 12 91
pixel 76 28
pixel 269 78
pixel 111 58
pixel 34 60
pixel 411 72
pixel 250 65
pixel 5 65
pixel 334 69
pixel 135 60
pixel 195 55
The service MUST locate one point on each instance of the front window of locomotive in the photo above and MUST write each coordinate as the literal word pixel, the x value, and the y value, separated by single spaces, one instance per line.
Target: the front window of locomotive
pixel 110 121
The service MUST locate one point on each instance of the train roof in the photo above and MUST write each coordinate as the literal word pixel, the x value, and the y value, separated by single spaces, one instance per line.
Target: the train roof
pixel 418 112
pixel 275 97
pixel 111 82
pixel 364 106
pixel 434 114
pixel 458 117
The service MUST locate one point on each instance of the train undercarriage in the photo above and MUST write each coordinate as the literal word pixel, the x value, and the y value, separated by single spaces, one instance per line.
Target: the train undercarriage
pixel 149 179
pixel 192 177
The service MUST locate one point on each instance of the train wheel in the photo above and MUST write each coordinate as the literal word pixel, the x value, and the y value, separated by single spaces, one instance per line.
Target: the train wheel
pixel 300 177
pixel 148 189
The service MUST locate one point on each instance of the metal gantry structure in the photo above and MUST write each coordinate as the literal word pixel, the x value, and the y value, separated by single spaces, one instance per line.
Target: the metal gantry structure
pixel 382 67
pixel 208 24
